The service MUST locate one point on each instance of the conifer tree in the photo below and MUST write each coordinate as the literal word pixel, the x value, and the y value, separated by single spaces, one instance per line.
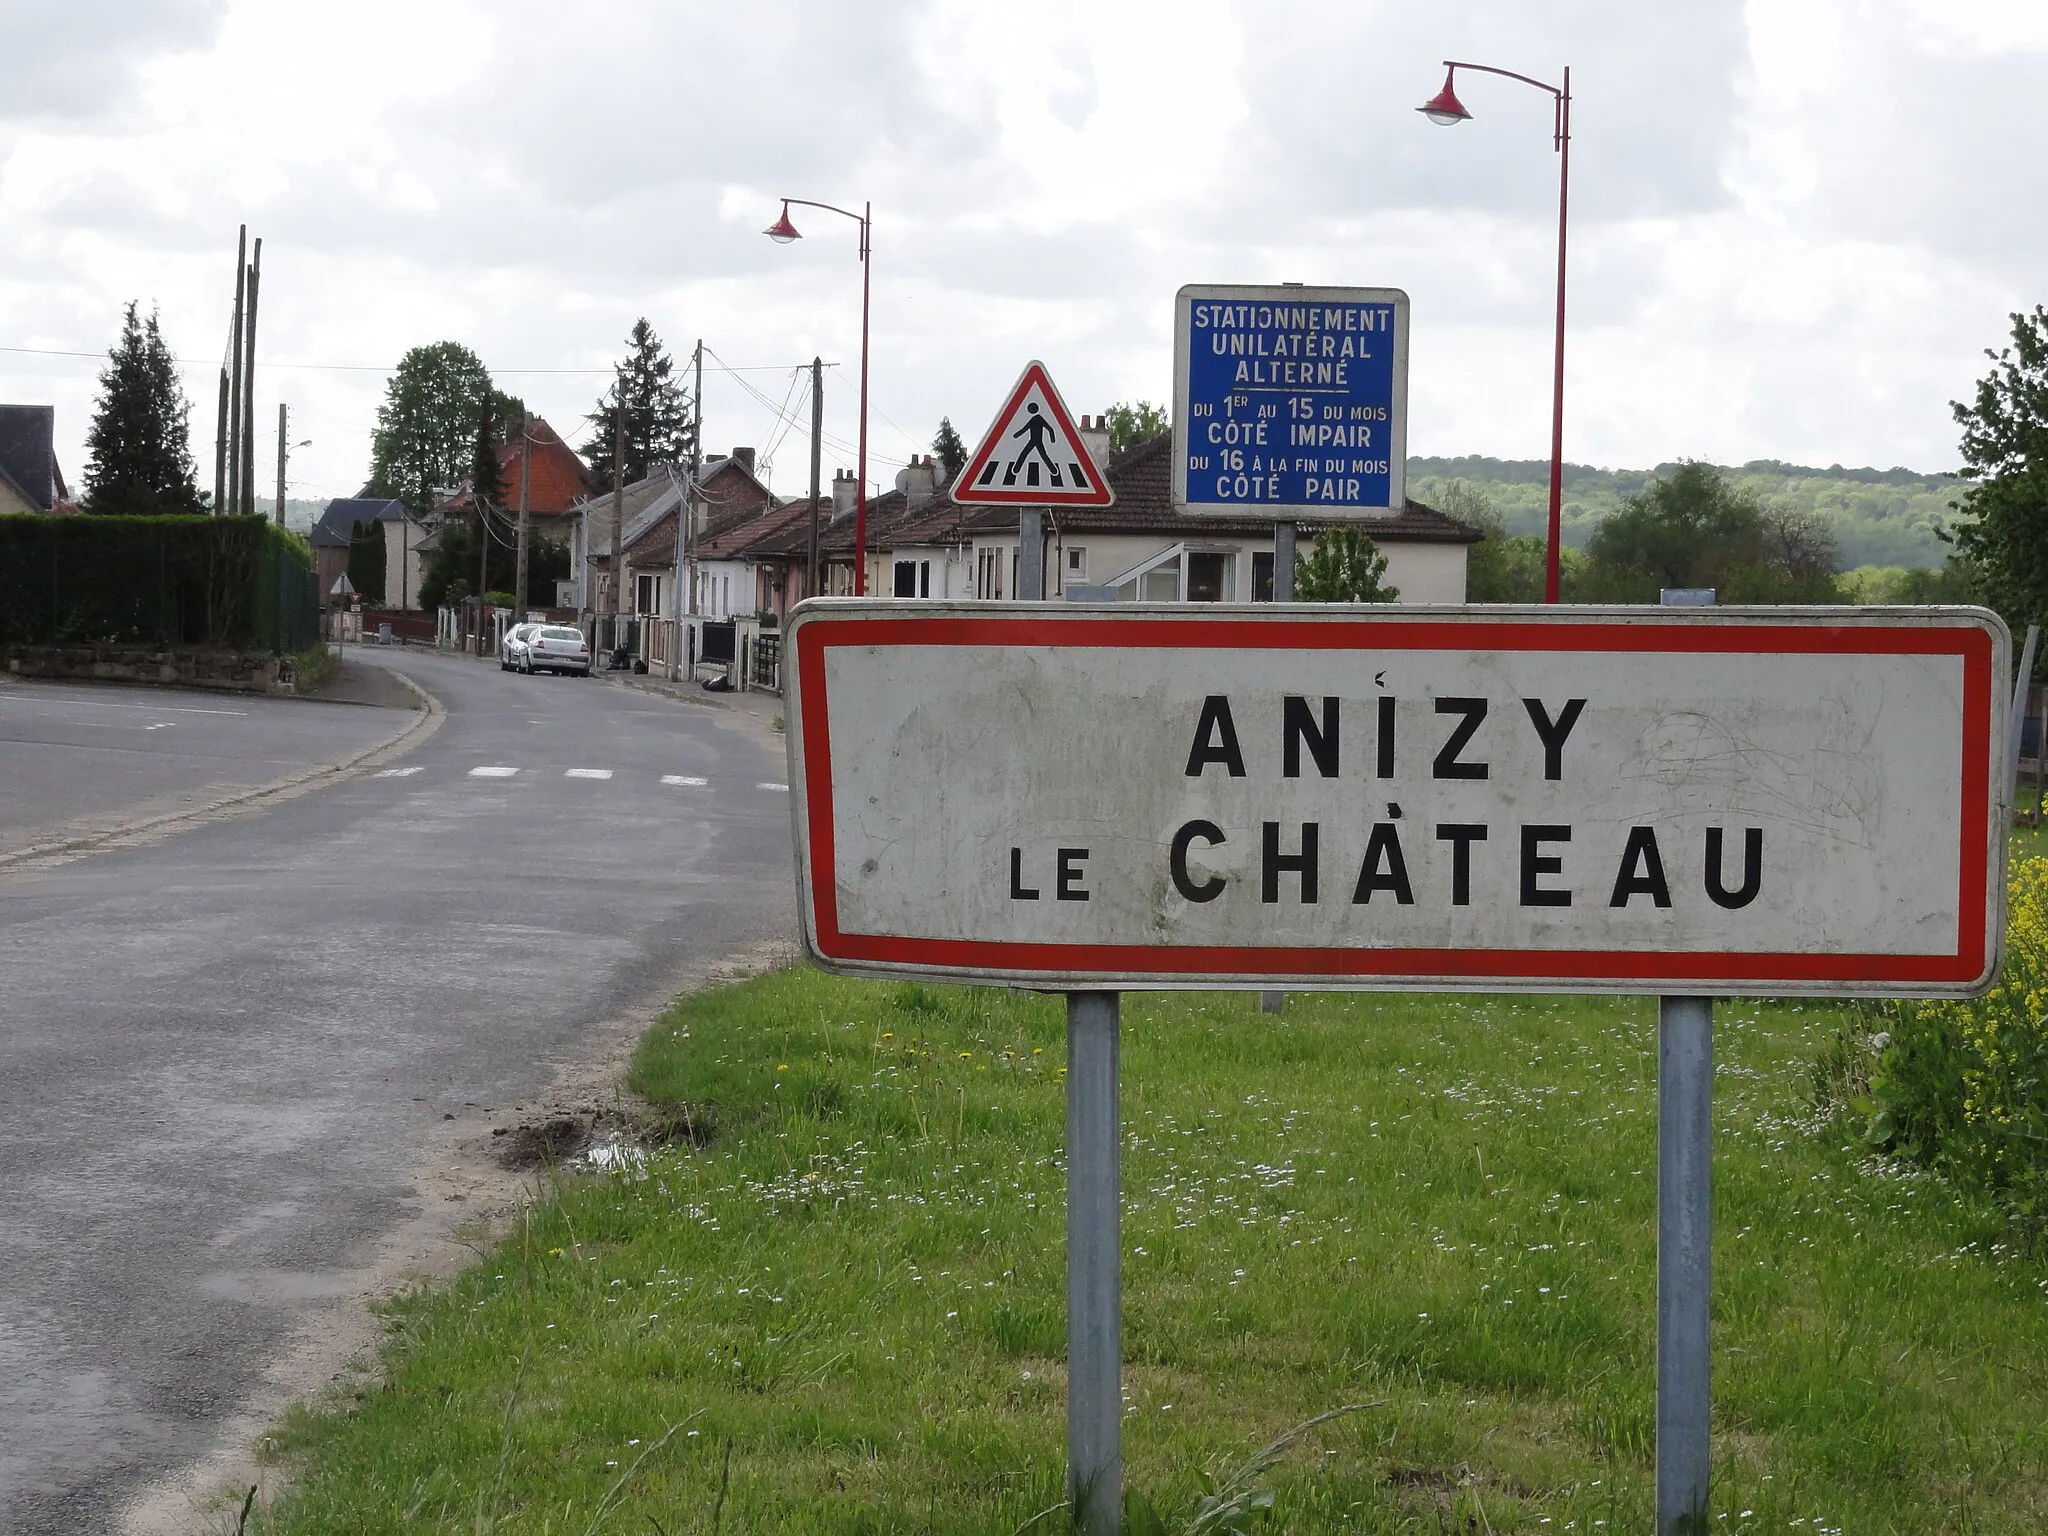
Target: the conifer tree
pixel 140 446
pixel 948 449
pixel 659 424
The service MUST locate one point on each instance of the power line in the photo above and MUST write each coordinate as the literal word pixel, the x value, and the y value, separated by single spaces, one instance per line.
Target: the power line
pixel 186 362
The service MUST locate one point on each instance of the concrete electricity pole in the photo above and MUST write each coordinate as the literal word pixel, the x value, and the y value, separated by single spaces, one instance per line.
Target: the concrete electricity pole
pixel 817 437
pixel 220 451
pixel 246 496
pixel 525 483
pixel 618 502
pixel 234 435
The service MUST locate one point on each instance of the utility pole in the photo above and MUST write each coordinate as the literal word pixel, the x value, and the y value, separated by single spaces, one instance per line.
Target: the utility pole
pixel 817 445
pixel 525 483
pixel 247 494
pixel 696 441
pixel 618 501
pixel 280 463
pixel 220 451
pixel 235 382
pixel 483 566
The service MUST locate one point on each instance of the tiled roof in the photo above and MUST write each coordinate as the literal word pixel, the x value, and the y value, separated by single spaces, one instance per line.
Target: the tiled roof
pixel 1144 504
pixel 557 478
pixel 332 531
pixel 27 461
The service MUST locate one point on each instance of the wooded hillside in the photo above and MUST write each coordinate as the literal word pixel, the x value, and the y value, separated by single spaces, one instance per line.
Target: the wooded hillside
pixel 1882 517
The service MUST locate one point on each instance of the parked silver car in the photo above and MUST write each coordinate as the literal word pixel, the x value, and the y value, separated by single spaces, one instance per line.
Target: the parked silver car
pixel 512 649
pixel 555 648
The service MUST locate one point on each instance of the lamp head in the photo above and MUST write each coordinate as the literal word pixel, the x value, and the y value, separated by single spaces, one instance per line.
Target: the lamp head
pixel 782 231
pixel 1443 108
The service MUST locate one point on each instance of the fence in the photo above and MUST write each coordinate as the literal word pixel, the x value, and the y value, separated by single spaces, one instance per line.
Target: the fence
pixel 227 583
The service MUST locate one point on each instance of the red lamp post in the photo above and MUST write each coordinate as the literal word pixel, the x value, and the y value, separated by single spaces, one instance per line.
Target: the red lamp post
pixel 782 232
pixel 1446 109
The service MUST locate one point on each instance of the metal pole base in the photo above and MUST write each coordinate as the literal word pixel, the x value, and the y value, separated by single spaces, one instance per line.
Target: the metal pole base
pixel 1095 1466
pixel 1685 1138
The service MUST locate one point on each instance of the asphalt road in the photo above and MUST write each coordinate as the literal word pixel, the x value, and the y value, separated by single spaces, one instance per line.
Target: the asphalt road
pixel 220 1053
pixel 77 756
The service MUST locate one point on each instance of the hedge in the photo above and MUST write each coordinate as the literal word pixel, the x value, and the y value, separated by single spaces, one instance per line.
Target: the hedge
pixel 234 583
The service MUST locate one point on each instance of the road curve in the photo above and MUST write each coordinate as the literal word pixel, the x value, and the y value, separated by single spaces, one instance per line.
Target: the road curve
pixel 222 1055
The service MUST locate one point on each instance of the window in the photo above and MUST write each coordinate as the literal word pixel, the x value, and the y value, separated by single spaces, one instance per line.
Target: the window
pixel 1262 576
pixel 906 578
pixel 924 578
pixel 988 572
pixel 1162 584
pixel 647 594
pixel 1208 576
pixel 1077 563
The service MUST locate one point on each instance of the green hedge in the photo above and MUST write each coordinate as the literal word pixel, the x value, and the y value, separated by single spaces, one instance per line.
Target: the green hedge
pixel 238 583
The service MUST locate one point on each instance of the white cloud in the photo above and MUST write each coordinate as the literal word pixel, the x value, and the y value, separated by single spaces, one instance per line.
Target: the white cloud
pixel 1796 223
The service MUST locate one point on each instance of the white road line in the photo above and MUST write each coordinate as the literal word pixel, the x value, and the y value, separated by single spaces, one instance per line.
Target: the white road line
pixel 782 788
pixel 396 773
pixel 492 773
pixel 586 773
pixel 684 780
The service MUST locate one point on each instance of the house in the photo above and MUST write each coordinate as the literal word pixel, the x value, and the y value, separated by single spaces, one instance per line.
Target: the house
pixel 407 544
pixel 921 543
pixel 533 461
pixel 29 478
pixel 729 494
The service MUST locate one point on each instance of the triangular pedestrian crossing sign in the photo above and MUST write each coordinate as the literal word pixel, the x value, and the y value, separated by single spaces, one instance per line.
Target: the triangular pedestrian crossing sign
pixel 1032 456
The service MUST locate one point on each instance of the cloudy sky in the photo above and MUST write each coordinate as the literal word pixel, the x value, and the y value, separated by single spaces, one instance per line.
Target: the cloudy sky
pixel 1796 223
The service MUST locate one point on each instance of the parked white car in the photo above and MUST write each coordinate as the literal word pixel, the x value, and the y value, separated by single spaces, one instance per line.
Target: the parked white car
pixel 555 648
pixel 512 649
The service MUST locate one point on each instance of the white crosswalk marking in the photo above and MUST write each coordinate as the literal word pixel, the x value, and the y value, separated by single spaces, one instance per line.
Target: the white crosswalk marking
pixel 492 773
pixel 587 773
pixel 684 780
pixel 783 788
pixel 397 773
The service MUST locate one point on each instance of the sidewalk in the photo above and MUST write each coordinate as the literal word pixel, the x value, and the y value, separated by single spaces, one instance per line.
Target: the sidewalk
pixel 765 708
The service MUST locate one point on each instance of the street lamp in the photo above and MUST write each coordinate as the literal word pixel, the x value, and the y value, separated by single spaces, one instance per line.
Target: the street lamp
pixel 782 232
pixel 1444 108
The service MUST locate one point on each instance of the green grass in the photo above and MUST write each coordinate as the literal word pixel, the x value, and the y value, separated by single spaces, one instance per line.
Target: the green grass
pixel 1442 1206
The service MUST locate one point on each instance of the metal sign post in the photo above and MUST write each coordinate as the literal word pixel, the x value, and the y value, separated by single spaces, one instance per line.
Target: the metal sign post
pixel 1685 1140
pixel 1095 1464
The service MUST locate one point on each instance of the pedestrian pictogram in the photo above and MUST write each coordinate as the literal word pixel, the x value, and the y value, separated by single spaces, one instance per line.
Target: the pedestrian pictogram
pixel 1032 456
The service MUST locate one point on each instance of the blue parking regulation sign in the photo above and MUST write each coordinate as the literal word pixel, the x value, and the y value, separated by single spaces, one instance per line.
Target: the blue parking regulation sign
pixel 1290 401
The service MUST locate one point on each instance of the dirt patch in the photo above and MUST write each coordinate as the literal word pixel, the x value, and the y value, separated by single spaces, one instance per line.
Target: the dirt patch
pixel 547 1144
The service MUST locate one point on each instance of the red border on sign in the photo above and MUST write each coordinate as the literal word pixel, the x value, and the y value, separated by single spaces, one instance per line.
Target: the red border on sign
pixel 967 493
pixel 1972 645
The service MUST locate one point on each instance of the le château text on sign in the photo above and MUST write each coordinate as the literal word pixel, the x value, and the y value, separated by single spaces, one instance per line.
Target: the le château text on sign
pixel 1567 799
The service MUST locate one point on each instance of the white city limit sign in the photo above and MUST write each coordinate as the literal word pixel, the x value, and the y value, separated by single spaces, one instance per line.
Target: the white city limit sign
pixel 1709 801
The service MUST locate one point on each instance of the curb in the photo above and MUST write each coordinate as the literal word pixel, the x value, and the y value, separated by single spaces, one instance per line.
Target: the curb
pixel 423 724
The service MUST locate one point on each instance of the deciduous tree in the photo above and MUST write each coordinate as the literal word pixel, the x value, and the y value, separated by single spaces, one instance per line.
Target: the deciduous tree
pixel 1345 566
pixel 423 446
pixel 139 444
pixel 1693 529
pixel 1132 422
pixel 2004 533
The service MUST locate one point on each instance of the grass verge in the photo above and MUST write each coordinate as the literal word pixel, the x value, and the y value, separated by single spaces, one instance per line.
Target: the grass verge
pixel 835 1302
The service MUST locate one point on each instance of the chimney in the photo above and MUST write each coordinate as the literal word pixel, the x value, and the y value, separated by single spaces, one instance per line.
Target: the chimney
pixel 918 481
pixel 744 457
pixel 1095 438
pixel 842 494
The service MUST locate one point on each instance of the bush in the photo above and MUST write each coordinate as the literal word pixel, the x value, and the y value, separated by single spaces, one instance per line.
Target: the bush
pixel 1962 1087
